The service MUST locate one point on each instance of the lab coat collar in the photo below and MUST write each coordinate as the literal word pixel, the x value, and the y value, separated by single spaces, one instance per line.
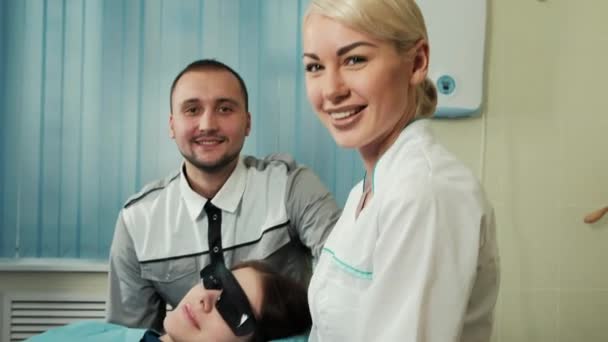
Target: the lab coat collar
pixel 413 132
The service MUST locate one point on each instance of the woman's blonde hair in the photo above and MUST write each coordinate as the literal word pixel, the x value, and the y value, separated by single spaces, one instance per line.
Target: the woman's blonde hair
pixel 397 21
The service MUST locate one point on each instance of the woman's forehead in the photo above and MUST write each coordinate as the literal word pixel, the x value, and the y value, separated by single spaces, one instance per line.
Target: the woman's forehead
pixel 318 26
pixel 323 35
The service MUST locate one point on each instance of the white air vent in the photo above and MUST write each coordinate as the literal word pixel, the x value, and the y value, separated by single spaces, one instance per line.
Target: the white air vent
pixel 24 315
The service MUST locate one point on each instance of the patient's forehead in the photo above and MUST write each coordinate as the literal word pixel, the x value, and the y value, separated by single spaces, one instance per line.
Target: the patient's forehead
pixel 251 282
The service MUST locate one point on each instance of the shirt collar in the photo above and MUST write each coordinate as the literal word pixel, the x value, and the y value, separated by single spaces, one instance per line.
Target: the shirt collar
pixel 231 192
pixel 194 201
pixel 227 198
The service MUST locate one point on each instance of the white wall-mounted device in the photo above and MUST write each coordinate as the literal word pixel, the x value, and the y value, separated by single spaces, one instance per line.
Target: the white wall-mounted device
pixel 457 31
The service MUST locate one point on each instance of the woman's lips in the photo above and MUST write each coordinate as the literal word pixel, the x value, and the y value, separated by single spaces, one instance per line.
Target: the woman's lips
pixel 190 315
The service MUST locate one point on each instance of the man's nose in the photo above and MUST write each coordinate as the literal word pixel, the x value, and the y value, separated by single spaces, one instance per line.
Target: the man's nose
pixel 334 87
pixel 207 121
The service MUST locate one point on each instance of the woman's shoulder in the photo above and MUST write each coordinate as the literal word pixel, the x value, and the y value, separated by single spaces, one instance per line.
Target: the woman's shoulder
pixel 423 165
pixel 427 172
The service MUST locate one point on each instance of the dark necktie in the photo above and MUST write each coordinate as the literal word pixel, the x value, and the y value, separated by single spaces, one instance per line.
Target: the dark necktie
pixel 214 217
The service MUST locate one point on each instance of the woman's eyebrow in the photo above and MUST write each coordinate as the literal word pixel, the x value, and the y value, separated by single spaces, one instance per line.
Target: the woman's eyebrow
pixel 310 55
pixel 345 49
pixel 341 51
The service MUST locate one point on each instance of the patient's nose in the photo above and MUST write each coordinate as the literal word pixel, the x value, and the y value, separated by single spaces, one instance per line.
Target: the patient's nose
pixel 208 300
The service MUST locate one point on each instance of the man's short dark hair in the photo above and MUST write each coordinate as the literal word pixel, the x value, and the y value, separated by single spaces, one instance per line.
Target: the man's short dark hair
pixel 209 64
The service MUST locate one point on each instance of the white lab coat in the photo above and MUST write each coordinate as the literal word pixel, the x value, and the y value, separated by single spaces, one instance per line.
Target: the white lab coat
pixel 420 263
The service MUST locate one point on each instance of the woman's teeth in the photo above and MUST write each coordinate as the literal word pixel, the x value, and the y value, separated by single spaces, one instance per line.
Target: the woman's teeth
pixel 343 115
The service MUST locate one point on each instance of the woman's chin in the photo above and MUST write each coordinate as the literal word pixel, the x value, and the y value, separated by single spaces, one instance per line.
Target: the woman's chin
pixel 168 323
pixel 346 140
pixel 173 325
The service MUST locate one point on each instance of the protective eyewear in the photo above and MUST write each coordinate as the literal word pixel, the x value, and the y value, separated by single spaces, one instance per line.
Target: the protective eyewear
pixel 232 304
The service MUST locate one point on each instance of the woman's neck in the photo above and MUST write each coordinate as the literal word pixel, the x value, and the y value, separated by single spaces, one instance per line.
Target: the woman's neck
pixel 373 151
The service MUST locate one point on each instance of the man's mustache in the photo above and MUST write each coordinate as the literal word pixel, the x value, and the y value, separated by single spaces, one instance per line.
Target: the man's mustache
pixel 207 136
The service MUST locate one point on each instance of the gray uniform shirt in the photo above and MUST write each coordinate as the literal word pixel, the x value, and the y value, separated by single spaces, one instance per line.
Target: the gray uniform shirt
pixel 272 209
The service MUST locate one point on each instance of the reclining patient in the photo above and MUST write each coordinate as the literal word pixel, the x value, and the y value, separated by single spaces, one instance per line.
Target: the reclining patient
pixel 249 303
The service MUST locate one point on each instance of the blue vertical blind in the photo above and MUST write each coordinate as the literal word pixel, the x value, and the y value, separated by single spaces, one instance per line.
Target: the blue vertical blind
pixel 84 105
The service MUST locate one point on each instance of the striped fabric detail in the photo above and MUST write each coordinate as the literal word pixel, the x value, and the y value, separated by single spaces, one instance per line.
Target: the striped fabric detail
pixel 348 268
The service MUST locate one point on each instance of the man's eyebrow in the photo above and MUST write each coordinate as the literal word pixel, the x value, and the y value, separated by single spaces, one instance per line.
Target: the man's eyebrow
pixel 229 100
pixel 341 51
pixel 188 102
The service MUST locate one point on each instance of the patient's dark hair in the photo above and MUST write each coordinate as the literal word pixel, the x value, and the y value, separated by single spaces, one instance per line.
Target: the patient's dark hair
pixel 284 304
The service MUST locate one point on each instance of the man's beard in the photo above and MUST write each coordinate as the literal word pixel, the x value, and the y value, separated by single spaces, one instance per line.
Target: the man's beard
pixel 212 167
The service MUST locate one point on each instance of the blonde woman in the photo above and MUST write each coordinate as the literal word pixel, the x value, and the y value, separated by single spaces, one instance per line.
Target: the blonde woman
pixel 413 256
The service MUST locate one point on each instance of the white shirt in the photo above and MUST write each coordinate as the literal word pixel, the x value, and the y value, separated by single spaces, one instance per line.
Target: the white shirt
pixel 420 263
pixel 270 209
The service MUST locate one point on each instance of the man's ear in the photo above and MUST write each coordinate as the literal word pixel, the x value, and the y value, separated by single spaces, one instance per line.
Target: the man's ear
pixel 171 131
pixel 420 62
pixel 248 128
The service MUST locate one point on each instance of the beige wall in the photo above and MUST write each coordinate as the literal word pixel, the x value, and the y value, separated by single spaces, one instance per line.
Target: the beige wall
pixel 60 282
pixel 546 165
